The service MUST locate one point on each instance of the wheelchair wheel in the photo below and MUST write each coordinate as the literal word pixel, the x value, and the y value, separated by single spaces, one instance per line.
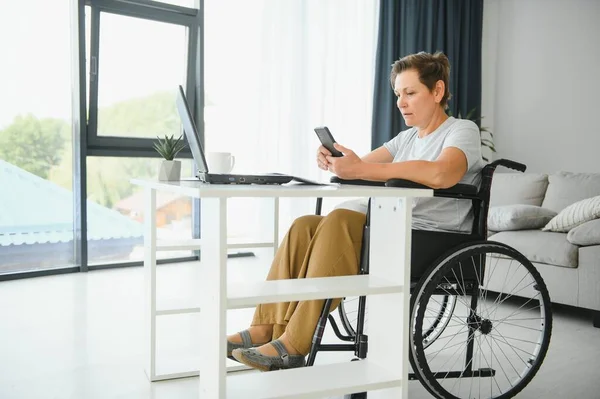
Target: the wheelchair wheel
pixel 436 319
pixel 348 313
pixel 494 343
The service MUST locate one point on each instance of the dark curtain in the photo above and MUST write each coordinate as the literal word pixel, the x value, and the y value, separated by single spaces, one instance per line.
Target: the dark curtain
pixel 409 26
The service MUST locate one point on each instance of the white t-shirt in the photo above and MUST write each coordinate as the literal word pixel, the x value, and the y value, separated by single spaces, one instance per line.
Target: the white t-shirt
pixel 439 214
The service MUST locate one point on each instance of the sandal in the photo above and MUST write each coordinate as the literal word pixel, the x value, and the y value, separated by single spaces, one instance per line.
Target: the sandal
pixel 253 358
pixel 246 343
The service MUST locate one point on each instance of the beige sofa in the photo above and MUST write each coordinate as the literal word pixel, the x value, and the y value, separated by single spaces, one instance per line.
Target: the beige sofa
pixel 568 262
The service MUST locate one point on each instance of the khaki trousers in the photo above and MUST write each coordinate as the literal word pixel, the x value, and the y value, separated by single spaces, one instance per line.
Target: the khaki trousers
pixel 315 246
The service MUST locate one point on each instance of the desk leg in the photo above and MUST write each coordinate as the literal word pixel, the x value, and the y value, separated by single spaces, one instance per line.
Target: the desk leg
pixel 389 321
pixel 275 225
pixel 150 280
pixel 213 294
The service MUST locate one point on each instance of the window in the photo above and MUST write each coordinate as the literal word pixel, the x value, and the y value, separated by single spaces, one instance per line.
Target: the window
pixel 141 64
pixel 139 53
pixel 115 213
pixel 36 222
pixel 274 70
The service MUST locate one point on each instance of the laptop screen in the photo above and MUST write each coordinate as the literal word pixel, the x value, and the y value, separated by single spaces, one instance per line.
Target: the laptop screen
pixel 191 133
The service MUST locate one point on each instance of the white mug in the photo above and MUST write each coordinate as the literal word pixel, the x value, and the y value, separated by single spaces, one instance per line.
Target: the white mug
pixel 220 162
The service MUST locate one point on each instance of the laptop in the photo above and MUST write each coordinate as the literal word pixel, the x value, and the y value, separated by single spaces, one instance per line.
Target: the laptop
pixel 193 138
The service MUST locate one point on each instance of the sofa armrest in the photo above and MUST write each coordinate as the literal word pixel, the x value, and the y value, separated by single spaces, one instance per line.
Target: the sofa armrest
pixel 588 271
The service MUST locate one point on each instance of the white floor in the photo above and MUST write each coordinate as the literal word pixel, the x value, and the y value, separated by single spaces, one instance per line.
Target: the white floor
pixel 81 336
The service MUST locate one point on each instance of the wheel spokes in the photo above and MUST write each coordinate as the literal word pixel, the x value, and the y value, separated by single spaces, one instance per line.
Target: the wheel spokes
pixel 496 342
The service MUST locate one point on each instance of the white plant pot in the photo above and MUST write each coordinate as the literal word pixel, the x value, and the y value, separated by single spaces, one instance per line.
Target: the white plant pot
pixel 169 170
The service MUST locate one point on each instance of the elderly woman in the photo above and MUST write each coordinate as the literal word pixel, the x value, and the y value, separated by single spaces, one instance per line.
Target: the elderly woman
pixel 437 151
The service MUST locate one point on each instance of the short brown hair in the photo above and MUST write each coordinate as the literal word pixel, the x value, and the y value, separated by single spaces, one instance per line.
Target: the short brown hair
pixel 431 68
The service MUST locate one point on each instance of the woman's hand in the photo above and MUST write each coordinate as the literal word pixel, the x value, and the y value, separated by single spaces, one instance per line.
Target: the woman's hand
pixel 347 167
pixel 322 154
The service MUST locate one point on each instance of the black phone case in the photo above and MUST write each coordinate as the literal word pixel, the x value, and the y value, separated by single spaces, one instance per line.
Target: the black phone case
pixel 327 140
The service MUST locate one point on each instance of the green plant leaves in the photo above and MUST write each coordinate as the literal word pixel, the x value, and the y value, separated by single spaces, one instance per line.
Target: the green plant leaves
pixel 169 146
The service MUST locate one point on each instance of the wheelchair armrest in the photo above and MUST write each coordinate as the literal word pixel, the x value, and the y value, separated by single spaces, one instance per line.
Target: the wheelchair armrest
pixel 507 163
pixel 357 182
pixel 457 191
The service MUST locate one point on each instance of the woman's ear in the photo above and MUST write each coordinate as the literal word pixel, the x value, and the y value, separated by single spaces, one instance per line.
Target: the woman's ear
pixel 438 91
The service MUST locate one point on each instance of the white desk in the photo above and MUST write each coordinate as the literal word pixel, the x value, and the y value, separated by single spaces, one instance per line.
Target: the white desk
pixel 381 372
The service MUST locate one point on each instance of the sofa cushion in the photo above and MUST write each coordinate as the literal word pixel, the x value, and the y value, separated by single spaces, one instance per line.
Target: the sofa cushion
pixel 542 247
pixel 574 215
pixel 566 188
pixel 518 217
pixel 585 234
pixel 518 188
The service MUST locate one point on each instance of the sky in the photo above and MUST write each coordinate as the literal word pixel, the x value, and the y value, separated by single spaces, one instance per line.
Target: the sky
pixel 35 71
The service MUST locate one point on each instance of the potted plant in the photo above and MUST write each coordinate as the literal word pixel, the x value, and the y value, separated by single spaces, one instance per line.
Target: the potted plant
pixel 168 147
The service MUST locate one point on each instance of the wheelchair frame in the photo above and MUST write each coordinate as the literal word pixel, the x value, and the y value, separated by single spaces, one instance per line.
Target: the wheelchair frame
pixel 448 243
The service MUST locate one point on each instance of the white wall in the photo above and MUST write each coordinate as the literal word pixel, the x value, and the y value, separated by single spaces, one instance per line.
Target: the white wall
pixel 541 82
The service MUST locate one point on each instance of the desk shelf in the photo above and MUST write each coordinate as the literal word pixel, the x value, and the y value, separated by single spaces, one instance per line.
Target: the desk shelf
pixel 311 382
pixel 169 369
pixel 172 309
pixel 193 244
pixel 251 294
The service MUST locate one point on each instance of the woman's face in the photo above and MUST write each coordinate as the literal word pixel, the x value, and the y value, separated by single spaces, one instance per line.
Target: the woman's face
pixel 416 103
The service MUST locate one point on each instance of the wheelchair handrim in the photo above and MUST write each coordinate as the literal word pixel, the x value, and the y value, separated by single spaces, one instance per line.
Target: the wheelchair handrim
pixel 427 288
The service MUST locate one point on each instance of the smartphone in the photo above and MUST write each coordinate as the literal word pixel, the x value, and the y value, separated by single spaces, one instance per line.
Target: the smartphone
pixel 327 140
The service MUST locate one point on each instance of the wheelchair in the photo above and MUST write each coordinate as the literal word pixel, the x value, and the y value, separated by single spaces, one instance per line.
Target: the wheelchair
pixel 466 341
